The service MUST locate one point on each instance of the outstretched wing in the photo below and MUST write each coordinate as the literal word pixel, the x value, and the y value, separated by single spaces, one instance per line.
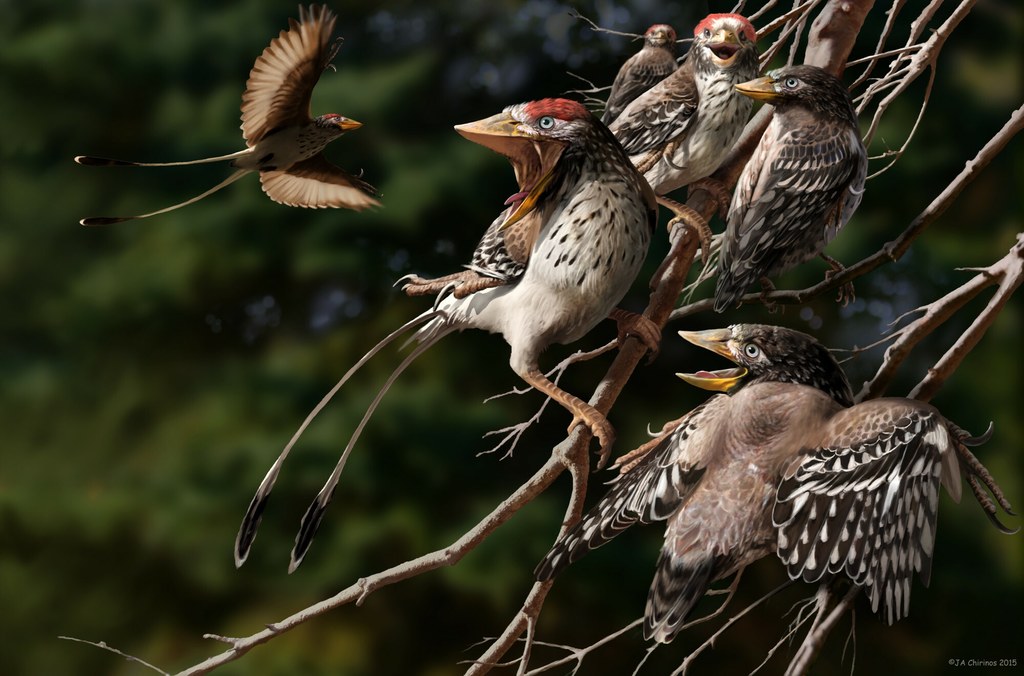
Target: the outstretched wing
pixel 651 490
pixel 281 81
pixel 316 183
pixel 660 114
pixel 865 503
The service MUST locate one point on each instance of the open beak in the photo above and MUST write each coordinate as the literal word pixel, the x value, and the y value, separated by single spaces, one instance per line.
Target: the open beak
pixel 761 89
pixel 722 380
pixel 347 124
pixel 533 158
pixel 724 45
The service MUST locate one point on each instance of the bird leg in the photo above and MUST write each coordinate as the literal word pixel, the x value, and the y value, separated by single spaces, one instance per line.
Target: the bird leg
pixel 687 217
pixel 846 294
pixel 718 192
pixel 638 326
pixel 766 288
pixel 464 283
pixel 978 478
pixel 582 412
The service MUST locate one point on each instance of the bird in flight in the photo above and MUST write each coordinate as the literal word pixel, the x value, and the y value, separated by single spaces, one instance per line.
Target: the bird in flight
pixel 283 142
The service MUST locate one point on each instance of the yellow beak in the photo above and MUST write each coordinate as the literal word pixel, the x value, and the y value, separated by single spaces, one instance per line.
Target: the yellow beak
pixel 348 124
pixel 533 157
pixel 761 89
pixel 717 341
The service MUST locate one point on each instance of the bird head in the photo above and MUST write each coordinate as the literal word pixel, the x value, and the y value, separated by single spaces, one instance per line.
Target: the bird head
pixel 724 40
pixel 807 87
pixel 335 121
pixel 661 35
pixel 533 136
pixel 766 353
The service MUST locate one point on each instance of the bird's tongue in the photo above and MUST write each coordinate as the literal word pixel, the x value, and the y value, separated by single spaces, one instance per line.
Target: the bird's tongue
pixel 518 197
pixel 705 374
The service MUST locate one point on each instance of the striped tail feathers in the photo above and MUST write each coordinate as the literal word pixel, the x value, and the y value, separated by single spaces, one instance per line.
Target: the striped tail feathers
pixel 109 220
pixel 254 513
pixel 679 583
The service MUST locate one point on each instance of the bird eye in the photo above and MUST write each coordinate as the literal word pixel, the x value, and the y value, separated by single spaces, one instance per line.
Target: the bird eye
pixel 707 32
pixel 791 83
pixel 547 122
pixel 752 351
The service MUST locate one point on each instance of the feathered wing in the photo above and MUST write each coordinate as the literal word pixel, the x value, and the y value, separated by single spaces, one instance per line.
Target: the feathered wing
pixel 660 114
pixel 281 81
pixel 812 174
pixel 865 503
pixel 503 253
pixel 316 183
pixel 639 73
pixel 652 490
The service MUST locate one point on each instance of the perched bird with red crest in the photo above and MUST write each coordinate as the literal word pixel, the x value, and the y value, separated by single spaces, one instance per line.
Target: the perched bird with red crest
pixel 801 185
pixel 784 462
pixel 681 129
pixel 549 268
pixel 655 61
pixel 283 142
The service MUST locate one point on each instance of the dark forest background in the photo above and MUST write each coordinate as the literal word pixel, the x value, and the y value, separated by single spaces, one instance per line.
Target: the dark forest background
pixel 152 370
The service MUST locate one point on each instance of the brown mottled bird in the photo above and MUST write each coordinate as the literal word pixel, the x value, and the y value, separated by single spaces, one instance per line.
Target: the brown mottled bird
pixel 655 61
pixel 681 129
pixel 551 266
pixel 283 143
pixel 785 464
pixel 801 185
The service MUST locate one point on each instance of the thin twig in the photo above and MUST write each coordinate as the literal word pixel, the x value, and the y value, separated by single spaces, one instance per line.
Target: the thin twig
pixel 104 646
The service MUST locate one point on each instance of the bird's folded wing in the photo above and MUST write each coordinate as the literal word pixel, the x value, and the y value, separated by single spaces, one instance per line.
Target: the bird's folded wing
pixel 864 504
pixel 650 491
pixel 660 114
pixel 281 81
pixel 640 72
pixel 503 252
pixel 802 173
pixel 316 183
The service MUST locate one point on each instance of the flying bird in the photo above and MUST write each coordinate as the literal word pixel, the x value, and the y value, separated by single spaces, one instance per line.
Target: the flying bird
pixel 681 129
pixel 551 266
pixel 801 185
pixel 785 463
pixel 655 61
pixel 283 142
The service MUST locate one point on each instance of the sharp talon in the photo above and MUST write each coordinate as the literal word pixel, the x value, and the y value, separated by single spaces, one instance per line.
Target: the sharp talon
pixel 411 278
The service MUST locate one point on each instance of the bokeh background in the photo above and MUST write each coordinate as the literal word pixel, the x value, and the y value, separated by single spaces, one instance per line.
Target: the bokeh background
pixel 152 370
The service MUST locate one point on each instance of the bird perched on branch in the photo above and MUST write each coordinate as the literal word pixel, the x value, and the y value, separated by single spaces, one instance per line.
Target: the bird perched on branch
pixel 551 266
pixel 681 129
pixel 785 464
pixel 655 61
pixel 801 185
pixel 283 143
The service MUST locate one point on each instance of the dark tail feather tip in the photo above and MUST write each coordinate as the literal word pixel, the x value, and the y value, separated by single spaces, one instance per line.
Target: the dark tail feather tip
pixel 247 531
pixel 90 161
pixel 102 220
pixel 307 531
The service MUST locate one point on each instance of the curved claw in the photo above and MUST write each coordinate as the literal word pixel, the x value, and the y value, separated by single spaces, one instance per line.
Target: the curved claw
pixel 405 279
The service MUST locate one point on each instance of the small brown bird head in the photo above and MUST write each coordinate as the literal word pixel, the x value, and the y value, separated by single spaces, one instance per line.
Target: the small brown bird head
pixel 661 36
pixel 724 39
pixel 807 87
pixel 533 136
pixel 766 353
pixel 335 121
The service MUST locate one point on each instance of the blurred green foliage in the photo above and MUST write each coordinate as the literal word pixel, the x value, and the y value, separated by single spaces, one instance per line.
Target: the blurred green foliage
pixel 152 370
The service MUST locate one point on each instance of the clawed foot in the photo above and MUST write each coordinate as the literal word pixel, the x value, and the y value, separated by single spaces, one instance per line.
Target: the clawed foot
pixel 685 217
pixel 599 427
pixel 462 284
pixel 766 288
pixel 717 190
pixel 628 461
pixel 846 294
pixel 640 327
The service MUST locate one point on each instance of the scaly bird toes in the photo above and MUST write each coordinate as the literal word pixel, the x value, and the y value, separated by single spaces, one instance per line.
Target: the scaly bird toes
pixel 599 427
pixel 641 328
pixel 717 190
